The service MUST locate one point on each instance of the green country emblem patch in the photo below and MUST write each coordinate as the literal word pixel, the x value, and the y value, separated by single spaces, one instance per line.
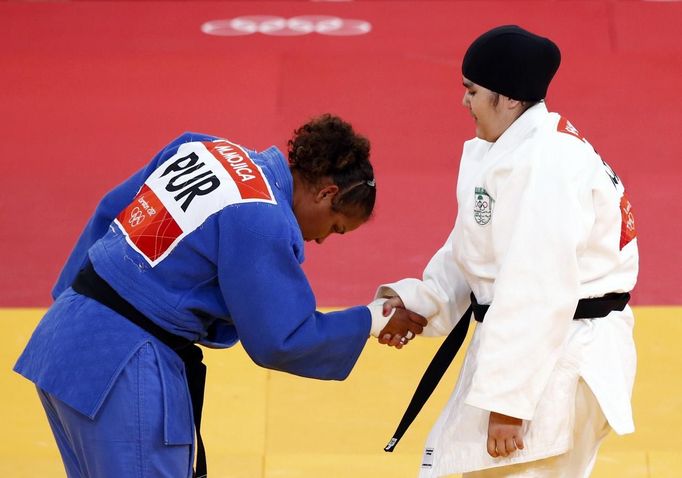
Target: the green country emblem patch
pixel 483 206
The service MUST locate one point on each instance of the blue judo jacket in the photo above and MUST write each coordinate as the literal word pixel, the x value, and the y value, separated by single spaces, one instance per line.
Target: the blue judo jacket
pixel 203 241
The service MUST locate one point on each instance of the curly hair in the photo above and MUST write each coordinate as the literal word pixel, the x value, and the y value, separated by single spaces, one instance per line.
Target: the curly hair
pixel 327 147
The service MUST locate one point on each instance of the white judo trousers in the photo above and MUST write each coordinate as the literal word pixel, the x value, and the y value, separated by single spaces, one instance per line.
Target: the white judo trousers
pixel 591 427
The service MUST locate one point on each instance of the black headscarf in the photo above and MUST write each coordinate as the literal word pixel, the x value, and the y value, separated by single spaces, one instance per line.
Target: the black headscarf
pixel 513 62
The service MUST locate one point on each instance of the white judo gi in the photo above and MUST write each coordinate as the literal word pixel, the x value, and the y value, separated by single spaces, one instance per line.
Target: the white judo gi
pixel 542 222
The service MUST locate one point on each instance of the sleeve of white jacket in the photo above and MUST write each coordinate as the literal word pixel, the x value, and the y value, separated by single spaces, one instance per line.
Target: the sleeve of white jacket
pixel 441 296
pixel 542 217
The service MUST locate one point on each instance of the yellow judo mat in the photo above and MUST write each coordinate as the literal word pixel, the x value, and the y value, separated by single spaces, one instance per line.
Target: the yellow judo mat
pixel 263 424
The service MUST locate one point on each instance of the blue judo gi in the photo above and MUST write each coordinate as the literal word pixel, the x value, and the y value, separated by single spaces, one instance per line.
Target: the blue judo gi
pixel 202 241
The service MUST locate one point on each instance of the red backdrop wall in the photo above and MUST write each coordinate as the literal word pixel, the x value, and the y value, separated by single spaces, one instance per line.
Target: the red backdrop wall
pixel 90 90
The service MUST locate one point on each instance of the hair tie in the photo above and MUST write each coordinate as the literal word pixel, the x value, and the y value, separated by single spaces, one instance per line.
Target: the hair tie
pixel 371 183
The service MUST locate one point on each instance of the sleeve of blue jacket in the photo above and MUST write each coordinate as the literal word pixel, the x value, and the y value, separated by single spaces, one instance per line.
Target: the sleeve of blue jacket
pixel 109 207
pixel 273 308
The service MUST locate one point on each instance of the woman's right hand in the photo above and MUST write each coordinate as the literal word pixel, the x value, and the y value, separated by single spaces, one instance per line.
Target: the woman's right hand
pixel 403 326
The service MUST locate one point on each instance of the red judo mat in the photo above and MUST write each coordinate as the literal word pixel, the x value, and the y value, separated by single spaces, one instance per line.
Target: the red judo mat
pixel 89 91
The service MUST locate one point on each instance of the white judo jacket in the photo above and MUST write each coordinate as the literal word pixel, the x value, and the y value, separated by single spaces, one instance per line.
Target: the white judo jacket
pixel 542 222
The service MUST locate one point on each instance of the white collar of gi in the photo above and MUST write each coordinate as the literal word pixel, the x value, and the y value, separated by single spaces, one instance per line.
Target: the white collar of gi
pixel 520 128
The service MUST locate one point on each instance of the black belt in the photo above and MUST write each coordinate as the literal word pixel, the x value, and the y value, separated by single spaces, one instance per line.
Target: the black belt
pixel 90 284
pixel 587 309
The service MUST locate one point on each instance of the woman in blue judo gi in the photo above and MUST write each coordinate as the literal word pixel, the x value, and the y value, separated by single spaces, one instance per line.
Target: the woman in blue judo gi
pixel 203 245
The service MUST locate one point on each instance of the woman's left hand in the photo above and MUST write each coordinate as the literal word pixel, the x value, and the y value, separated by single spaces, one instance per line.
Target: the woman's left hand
pixel 504 435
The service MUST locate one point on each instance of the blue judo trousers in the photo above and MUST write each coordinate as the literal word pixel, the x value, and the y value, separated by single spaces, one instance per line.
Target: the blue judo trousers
pixel 203 242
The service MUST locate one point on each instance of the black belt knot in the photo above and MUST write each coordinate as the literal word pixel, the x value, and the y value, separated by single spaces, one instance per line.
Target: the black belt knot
pixel 90 284
pixel 586 309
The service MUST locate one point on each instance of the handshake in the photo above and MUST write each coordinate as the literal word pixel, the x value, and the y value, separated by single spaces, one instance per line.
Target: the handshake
pixel 397 325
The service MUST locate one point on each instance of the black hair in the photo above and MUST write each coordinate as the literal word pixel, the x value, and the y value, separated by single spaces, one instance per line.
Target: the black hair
pixel 328 147
pixel 525 105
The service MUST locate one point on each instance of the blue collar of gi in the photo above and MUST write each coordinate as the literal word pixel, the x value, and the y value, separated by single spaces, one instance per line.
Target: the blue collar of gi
pixel 280 168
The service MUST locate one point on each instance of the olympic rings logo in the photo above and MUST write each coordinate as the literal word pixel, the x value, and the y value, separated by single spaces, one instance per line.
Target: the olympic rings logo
pixel 278 26
pixel 136 217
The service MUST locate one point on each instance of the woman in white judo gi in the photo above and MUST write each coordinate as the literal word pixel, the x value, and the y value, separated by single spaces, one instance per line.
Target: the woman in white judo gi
pixel 544 246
